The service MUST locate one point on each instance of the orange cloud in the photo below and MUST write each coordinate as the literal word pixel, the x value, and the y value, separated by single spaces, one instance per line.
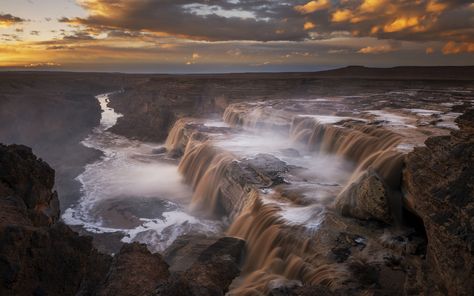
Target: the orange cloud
pixel 401 23
pixel 341 15
pixel 458 47
pixel 436 7
pixel 429 50
pixel 371 5
pixel 312 6
pixel 309 26
pixel 376 49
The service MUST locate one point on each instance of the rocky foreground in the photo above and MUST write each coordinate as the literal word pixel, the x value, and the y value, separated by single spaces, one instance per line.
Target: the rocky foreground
pixel 41 256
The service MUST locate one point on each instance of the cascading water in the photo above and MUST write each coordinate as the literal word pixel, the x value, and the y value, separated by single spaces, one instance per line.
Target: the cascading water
pixel 289 228
pixel 133 191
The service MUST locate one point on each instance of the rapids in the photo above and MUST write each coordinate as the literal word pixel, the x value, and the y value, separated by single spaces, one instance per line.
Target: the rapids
pixel 132 191
pixel 290 218
pixel 279 175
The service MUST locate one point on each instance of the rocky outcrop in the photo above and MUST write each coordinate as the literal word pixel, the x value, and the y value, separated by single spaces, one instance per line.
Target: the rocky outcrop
pixel 134 272
pixel 185 250
pixel 211 274
pixel 37 255
pixel 40 256
pixel 366 198
pixel 439 185
pixel 25 184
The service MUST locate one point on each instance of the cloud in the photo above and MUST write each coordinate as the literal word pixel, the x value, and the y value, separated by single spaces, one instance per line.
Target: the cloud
pixel 7 20
pixel 42 65
pixel 401 23
pixel 309 26
pixel 436 6
pixel 312 6
pixel 376 49
pixel 458 47
pixel 342 15
pixel 268 20
pixel 369 6
pixel 196 20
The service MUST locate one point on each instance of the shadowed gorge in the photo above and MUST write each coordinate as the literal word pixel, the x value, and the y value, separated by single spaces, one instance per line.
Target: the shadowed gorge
pixel 237 184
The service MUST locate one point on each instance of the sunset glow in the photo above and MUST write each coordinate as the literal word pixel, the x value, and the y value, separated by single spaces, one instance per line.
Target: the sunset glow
pixel 233 35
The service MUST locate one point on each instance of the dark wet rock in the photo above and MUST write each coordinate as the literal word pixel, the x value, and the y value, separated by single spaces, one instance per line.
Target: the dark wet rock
pixel 367 198
pixel 53 261
pixel 439 185
pixel 26 182
pixel 160 150
pixel 290 152
pixel 134 271
pixel 298 290
pixel 145 121
pixel 211 274
pixel 37 255
pixel 267 166
pixel 185 250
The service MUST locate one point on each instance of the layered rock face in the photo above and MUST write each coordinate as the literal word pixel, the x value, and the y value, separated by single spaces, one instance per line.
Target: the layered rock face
pixel 40 256
pixel 438 180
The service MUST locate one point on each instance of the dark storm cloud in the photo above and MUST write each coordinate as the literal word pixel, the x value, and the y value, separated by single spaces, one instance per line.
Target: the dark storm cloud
pixel 262 20
pixel 267 20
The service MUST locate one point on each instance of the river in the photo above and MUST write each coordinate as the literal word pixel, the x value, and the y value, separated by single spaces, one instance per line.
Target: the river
pixel 133 191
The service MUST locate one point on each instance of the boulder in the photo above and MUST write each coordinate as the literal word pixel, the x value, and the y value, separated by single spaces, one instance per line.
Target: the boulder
pixel 264 169
pixel 211 274
pixel 366 198
pixel 134 272
pixel 185 250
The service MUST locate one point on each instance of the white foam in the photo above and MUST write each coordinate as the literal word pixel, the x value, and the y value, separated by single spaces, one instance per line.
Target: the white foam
pixel 327 119
pixel 215 123
pixel 424 112
pixel 127 174
pixel 391 118
pixel 448 120
pixel 160 234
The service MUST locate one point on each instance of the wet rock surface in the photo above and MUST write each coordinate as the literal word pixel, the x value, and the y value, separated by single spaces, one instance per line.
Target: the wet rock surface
pixel 134 271
pixel 439 181
pixel 185 250
pixel 211 274
pixel 366 198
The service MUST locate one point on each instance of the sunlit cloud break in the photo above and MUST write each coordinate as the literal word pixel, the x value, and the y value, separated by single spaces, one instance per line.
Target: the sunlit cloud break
pixel 161 35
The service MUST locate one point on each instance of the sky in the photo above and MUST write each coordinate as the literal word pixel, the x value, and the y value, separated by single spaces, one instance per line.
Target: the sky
pixel 203 36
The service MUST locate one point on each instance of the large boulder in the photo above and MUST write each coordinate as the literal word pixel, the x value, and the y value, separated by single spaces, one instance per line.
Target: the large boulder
pixel 366 198
pixel 185 251
pixel 439 186
pixel 134 272
pixel 211 274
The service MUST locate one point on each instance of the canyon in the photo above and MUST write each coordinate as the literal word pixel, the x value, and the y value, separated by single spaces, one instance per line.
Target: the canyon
pixel 347 182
